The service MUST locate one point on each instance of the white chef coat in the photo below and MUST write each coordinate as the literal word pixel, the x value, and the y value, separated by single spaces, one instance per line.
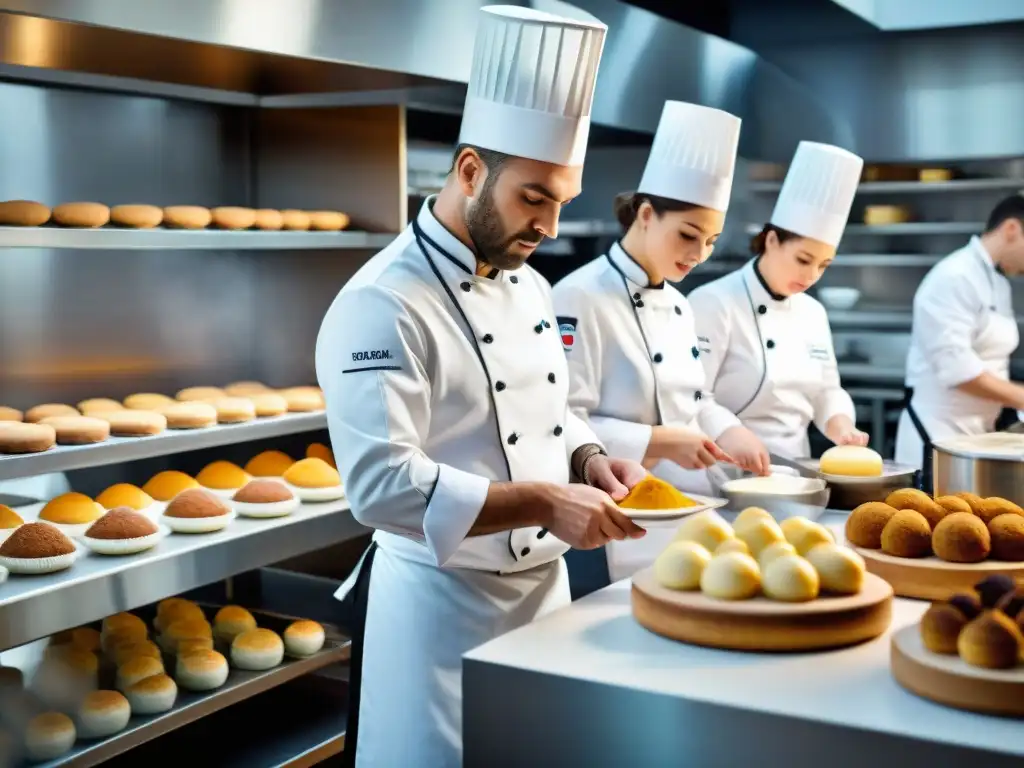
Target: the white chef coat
pixel 769 359
pixel 634 363
pixel 963 325
pixel 439 382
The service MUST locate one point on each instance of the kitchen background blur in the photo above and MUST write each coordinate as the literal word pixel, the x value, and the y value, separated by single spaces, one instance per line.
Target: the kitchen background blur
pixel 355 106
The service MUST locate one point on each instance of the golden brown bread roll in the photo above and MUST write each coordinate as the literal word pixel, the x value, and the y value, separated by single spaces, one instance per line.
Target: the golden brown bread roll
pixel 233 218
pixel 10 414
pixel 136 216
pixel 131 423
pixel 88 215
pixel 994 506
pixel 95 405
pixel 187 217
pixel 269 219
pixel 40 412
pixel 941 626
pixel 295 220
pixel 191 414
pixel 973 500
pixel 16 437
pixel 327 221
pixel 23 213
pixel 865 524
pixel 961 538
pixel 952 504
pixel 78 430
pixel 907 534
pixel 1007 533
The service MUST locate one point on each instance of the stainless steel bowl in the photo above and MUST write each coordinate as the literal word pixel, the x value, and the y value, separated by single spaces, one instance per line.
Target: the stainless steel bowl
pixel 850 492
pixel 810 502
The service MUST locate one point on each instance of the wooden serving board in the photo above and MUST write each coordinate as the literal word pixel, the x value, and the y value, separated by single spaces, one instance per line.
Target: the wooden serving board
pixel 952 681
pixel 929 578
pixel 760 624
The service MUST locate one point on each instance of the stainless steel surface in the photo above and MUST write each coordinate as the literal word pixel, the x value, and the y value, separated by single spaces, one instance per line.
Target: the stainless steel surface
pixel 986 472
pixel 121 449
pixel 35 606
pixel 112 238
pixel 851 492
pixel 810 503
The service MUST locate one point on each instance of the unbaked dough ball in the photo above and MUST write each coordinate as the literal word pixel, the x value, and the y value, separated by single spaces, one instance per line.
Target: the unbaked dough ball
pixel 759 534
pixel 731 576
pixel 810 536
pixel 840 569
pixel 681 564
pixel 790 578
pixel 708 529
pixel 750 515
pixel 732 545
pixel 772 551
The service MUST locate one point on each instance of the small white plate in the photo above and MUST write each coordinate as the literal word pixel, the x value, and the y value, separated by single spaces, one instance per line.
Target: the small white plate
pixel 703 504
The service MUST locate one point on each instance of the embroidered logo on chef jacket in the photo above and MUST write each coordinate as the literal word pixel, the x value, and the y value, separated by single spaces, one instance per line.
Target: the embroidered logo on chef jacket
pixel 704 344
pixel 567 330
pixel 818 352
pixel 381 359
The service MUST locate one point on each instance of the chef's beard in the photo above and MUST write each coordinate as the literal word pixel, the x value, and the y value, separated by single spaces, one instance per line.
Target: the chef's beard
pixel 492 243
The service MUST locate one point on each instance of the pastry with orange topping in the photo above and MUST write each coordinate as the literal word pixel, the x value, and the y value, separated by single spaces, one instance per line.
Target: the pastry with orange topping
pixel 165 485
pixel 265 497
pixel 197 510
pixel 72 512
pixel 321 451
pixel 269 464
pixel 315 480
pixel 223 478
pixel 9 520
pixel 125 495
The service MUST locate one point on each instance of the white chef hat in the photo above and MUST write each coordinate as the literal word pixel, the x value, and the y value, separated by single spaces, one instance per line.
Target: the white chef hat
pixel 693 155
pixel 818 191
pixel 532 84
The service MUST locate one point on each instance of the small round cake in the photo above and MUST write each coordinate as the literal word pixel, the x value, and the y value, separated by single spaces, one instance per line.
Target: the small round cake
pixel 222 478
pixel 269 219
pixel 840 569
pixel 197 510
pixel 135 423
pixel 78 430
pixel 245 388
pixel 907 534
pixel 139 668
pixel 268 404
pixel 35 548
pixel 269 464
pixel 11 414
pixel 125 495
pixel 191 414
pixel 961 538
pixel 303 399
pixel 71 512
pixel 102 714
pixel 136 216
pixel 200 393
pixel 315 480
pixel 18 438
pixel 968 605
pixel 49 736
pixel 267 498
pixel 165 485
pixel 992 641
pixel 304 638
pixel 234 410
pixel 994 588
pixel 292 219
pixel 122 531
pixel 994 506
pixel 231 621
pixel 1012 604
pixel 37 413
pixel 941 626
pixel 328 221
pixel 322 452
pixel 97 405
pixel 152 695
pixel 679 566
pixel 175 609
pixel 146 401
pixel 907 498
pixel 1007 532
pixel 184 629
pixel 257 650
pixel 731 577
pixel 84 638
pixel 201 671
pixel 865 524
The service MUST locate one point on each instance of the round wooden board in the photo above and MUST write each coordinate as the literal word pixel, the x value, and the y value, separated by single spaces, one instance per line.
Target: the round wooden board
pixel 929 578
pixel 760 624
pixel 952 681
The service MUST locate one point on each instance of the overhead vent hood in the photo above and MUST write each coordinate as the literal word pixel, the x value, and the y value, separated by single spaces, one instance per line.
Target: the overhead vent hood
pixel 332 52
pixel 892 15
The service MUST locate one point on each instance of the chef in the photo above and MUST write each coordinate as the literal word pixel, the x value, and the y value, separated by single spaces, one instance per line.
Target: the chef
pixel 963 334
pixel 765 344
pixel 634 365
pixel 446 390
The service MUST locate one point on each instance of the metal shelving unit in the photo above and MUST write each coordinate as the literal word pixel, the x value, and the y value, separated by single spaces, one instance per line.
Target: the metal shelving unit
pixel 113 238
pixel 914 187
pixel 721 265
pixel 906 228
pixel 120 449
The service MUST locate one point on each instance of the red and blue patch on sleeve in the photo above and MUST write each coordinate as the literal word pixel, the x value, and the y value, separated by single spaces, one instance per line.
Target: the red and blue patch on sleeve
pixel 567 330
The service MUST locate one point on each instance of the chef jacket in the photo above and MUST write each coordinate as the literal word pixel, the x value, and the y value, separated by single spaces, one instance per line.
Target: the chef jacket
pixel 769 359
pixel 634 360
pixel 963 326
pixel 439 382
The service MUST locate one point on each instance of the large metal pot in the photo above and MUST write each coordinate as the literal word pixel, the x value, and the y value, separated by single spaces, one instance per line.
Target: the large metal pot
pixel 988 465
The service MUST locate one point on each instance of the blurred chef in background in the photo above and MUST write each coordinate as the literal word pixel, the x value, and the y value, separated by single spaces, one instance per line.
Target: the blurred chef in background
pixel 964 331
pixel 634 366
pixel 765 344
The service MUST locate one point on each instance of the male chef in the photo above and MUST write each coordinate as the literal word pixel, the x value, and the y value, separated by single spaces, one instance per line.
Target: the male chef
pixel 964 332
pixel 446 390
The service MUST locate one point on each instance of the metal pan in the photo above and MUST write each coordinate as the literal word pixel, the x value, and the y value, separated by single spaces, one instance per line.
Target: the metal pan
pixel 810 500
pixel 851 492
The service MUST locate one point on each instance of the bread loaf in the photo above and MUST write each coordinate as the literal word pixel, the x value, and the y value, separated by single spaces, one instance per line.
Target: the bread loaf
pixel 187 217
pixel 88 215
pixel 136 216
pixel 233 218
pixel 23 213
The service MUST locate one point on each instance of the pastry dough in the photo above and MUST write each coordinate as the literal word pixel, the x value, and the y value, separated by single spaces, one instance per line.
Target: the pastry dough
pixel 810 536
pixel 16 437
pixel 23 213
pixel 790 578
pixel 136 216
pixel 851 461
pixel 233 218
pixel 268 219
pixel 78 430
pixel 87 215
pixel 295 220
pixel 681 564
pixel 328 221
pixel 772 551
pixel 731 576
pixel 187 217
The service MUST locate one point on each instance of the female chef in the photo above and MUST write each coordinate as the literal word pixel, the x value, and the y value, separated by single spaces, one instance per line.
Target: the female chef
pixel 634 365
pixel 766 345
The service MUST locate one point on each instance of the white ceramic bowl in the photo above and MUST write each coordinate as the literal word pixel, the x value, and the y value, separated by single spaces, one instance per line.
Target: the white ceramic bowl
pixel 838 298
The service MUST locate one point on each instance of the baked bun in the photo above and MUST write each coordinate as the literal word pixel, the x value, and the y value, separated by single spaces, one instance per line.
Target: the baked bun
pixel 184 629
pixel 88 215
pixel 269 219
pixel 37 548
pixel 11 414
pixel 233 218
pixel 78 430
pixel 223 477
pixel 189 415
pixel 193 644
pixel 37 413
pixel 201 671
pixel 328 221
pixel 136 216
pixel 731 576
pixel 176 609
pixel 152 695
pixel 102 714
pixel 164 486
pixel 322 452
pixel 1012 604
pixel 865 524
pixel 269 464
pixel 187 217
pixel 265 498
pixel 840 569
pixel 233 410
pixel 953 504
pixel 304 638
pixel 199 393
pixel 126 651
pixel 906 498
pixel 992 641
pixel 295 220
pixel 941 626
pixel 133 423
pixel 77 663
pixel 122 628
pixel 993 506
pixel 1007 532
pixel 268 403
pixel 315 480
pixel 49 736
pixel 256 650
pixel 136 669
pixel 245 388
pixel 23 213
pixel 146 401
pixel 231 621
pixel 961 538
pixel 63 678
pixel 16 437
pixel 97 405
pixel 197 510
pixel 303 399
pixel 907 534
pixel 968 605
pixel 124 495
pixel 973 500
pixel 84 638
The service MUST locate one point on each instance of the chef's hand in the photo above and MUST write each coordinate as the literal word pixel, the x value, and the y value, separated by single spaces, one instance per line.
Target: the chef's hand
pixel 616 477
pixel 586 518
pixel 690 450
pixel 749 452
pixel 842 431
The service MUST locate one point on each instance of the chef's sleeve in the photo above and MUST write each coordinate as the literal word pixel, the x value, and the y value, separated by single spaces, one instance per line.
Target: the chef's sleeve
pixel 371 364
pixel 945 314
pixel 581 332
pixel 711 323
pixel 831 400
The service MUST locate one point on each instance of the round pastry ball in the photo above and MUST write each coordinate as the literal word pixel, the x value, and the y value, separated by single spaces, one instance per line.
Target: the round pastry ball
pixel 790 578
pixel 102 714
pixel 759 534
pixel 138 668
pixel 193 644
pixel 681 564
pixel 708 529
pixel 793 526
pixel 49 736
pixel 907 534
pixel 961 538
pixel 303 638
pixel 809 536
pixel 231 621
pixel 974 501
pixel 749 515
pixel 732 545
pixel 257 649
pixel 731 576
pixel 152 695
pixel 994 506
pixel 1007 532
pixel 865 524
pixel 906 498
pixel 952 504
pixel 176 609
pixel 772 551
pixel 840 569
pixel 940 628
pixel 992 641
pixel 201 671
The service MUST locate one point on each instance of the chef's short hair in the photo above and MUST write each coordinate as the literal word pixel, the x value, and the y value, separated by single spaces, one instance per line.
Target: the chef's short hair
pixel 759 241
pixel 1011 207
pixel 492 160
pixel 627 205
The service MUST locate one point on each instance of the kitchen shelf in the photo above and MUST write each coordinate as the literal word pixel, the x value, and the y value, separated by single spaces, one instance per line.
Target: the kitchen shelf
pixel 116 450
pixel 113 238
pixel 721 265
pixel 191 707
pixel 871 372
pixel 914 187
pixel 873 319
pixel 592 228
pixel 907 228
pixel 96 586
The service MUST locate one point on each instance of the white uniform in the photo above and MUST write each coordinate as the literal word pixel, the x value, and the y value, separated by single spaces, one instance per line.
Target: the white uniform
pixel 963 326
pixel 634 360
pixel 439 382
